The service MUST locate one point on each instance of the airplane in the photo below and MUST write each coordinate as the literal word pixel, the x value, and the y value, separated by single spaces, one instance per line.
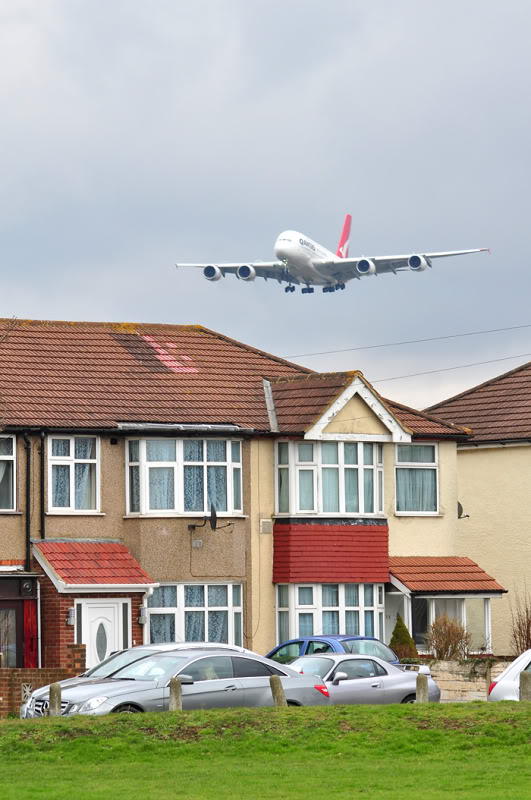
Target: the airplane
pixel 305 262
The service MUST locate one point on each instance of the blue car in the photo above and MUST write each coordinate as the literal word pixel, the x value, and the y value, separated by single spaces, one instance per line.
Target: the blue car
pixel 286 652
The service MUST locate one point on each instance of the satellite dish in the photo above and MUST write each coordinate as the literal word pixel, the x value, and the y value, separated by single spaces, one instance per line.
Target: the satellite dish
pixel 460 512
pixel 213 517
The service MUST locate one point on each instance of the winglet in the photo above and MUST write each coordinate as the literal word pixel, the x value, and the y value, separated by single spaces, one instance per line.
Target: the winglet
pixel 342 248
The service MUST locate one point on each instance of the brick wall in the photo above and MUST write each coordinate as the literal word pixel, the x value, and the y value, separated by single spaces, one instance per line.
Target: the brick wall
pixel 13 681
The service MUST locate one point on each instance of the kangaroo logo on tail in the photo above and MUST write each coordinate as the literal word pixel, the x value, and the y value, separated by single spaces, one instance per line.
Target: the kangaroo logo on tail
pixel 342 248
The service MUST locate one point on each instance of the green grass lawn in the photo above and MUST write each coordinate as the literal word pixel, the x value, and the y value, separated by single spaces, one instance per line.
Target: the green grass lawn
pixel 395 752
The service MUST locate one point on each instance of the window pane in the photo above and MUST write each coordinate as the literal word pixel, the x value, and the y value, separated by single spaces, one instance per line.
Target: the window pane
pixel 283 453
pixel 61 448
pixel 193 449
pixel 368 457
pixel 422 453
pixel 379 456
pixel 352 623
pixel 368 485
pixel 368 594
pixel 194 596
pixel 238 628
pixel 6 447
pixel 160 450
pixel 369 623
pixel 218 596
pixel 85 486
pixel 330 622
pixel 305 452
pixel 306 490
pixel 380 490
pixel 351 453
pixel 163 597
pixel 380 596
pixel 305 596
pixel 352 594
pixel 235 449
pixel 237 488
pixel 218 626
pixel 134 450
pixel 352 500
pixel 236 595
pixel 194 626
pixel 60 486
pixel 134 489
pixel 330 489
pixel 305 624
pixel 6 484
pixel 85 447
pixel 283 626
pixel 416 489
pixel 194 489
pixel 161 628
pixel 217 488
pixel 216 450
pixel 161 488
pixel 381 632
pixel 330 594
pixel 283 491
pixel 329 453
pixel 282 596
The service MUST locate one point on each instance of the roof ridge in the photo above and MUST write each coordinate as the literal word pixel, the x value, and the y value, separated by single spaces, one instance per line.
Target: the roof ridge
pixel 489 382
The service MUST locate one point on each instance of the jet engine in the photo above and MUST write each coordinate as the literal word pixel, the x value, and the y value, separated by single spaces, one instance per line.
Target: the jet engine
pixel 366 267
pixel 417 263
pixel 212 273
pixel 246 273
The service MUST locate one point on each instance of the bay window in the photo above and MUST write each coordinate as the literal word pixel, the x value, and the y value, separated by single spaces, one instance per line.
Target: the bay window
pixel 417 479
pixel 184 476
pixel 73 465
pixel 7 473
pixel 329 478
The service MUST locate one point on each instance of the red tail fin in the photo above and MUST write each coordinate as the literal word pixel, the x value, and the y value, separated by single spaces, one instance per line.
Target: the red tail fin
pixel 342 248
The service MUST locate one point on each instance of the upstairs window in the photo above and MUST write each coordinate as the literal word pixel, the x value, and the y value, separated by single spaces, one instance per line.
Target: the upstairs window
pixel 184 476
pixel 7 473
pixel 417 479
pixel 329 478
pixel 73 473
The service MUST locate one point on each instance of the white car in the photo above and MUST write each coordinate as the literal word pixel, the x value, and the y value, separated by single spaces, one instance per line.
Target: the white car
pixel 507 686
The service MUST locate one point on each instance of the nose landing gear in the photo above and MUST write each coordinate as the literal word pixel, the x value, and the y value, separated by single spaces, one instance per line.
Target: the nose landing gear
pixel 289 288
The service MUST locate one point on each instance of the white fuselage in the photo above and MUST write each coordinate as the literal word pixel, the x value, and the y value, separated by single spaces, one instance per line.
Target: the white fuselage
pixel 300 254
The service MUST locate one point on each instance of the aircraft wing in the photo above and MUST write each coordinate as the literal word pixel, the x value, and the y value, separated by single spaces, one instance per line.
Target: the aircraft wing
pixel 275 270
pixel 346 268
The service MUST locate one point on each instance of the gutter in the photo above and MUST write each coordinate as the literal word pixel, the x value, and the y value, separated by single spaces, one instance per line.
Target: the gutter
pixel 27 447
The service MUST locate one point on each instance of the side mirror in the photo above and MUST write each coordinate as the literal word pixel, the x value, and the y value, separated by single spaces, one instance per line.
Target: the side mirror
pixel 339 676
pixel 186 680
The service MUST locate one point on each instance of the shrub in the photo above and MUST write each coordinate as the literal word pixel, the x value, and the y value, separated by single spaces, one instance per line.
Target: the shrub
pixel 401 641
pixel 447 639
pixel 521 622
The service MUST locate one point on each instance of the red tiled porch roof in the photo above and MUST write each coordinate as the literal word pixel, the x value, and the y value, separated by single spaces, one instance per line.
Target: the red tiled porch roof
pixel 99 563
pixel 442 574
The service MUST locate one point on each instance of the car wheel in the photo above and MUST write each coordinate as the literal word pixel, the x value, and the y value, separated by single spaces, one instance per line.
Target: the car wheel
pixel 126 710
pixel 411 698
pixel 294 705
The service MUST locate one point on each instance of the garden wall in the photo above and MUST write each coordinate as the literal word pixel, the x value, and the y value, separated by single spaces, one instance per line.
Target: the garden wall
pixel 460 682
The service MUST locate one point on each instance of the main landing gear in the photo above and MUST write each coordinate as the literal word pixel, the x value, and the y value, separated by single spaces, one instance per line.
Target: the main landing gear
pixel 334 288
pixel 307 290
pixel 289 289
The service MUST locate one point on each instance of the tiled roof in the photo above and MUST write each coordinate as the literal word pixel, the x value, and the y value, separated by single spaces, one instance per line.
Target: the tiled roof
pixel 82 374
pixel 100 563
pixel 300 400
pixel 441 574
pixel 497 410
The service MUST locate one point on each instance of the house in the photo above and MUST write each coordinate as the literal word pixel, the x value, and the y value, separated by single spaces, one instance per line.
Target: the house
pixel 493 469
pixel 118 440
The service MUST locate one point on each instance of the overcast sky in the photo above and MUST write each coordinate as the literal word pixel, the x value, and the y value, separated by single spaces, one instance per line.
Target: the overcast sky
pixel 136 134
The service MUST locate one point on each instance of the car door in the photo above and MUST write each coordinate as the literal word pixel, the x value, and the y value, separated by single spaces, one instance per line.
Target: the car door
pixel 254 676
pixel 214 684
pixel 364 684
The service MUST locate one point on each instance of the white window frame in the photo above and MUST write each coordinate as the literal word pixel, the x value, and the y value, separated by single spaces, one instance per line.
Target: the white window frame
pixel 71 461
pixel 178 467
pixel 294 466
pixel 431 465
pixel 295 609
pixel 12 458
pixel 180 609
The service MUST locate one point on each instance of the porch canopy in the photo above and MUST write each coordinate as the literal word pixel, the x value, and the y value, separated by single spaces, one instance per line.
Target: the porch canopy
pixel 452 585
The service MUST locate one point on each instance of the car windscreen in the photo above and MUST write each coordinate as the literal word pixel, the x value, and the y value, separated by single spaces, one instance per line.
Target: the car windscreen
pixel 155 668
pixel 115 662
pixel 366 647
pixel 312 666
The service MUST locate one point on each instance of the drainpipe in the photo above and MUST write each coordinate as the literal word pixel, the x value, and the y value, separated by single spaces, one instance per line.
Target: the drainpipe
pixel 27 446
pixel 43 518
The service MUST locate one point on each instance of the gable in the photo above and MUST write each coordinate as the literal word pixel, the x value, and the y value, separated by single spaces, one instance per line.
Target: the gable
pixel 356 417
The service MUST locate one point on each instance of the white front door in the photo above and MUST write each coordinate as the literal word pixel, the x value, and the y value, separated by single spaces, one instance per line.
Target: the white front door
pixel 102 628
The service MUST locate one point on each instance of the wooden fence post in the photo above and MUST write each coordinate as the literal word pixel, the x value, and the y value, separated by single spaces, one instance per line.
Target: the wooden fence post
pixel 422 688
pixel 176 695
pixel 55 700
pixel 277 690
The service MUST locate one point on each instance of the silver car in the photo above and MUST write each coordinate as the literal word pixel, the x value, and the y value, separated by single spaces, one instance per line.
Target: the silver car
pixel 359 679
pixel 211 678
pixel 507 686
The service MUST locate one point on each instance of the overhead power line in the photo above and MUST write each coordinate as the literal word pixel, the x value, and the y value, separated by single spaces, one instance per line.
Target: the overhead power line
pixel 448 369
pixel 410 341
